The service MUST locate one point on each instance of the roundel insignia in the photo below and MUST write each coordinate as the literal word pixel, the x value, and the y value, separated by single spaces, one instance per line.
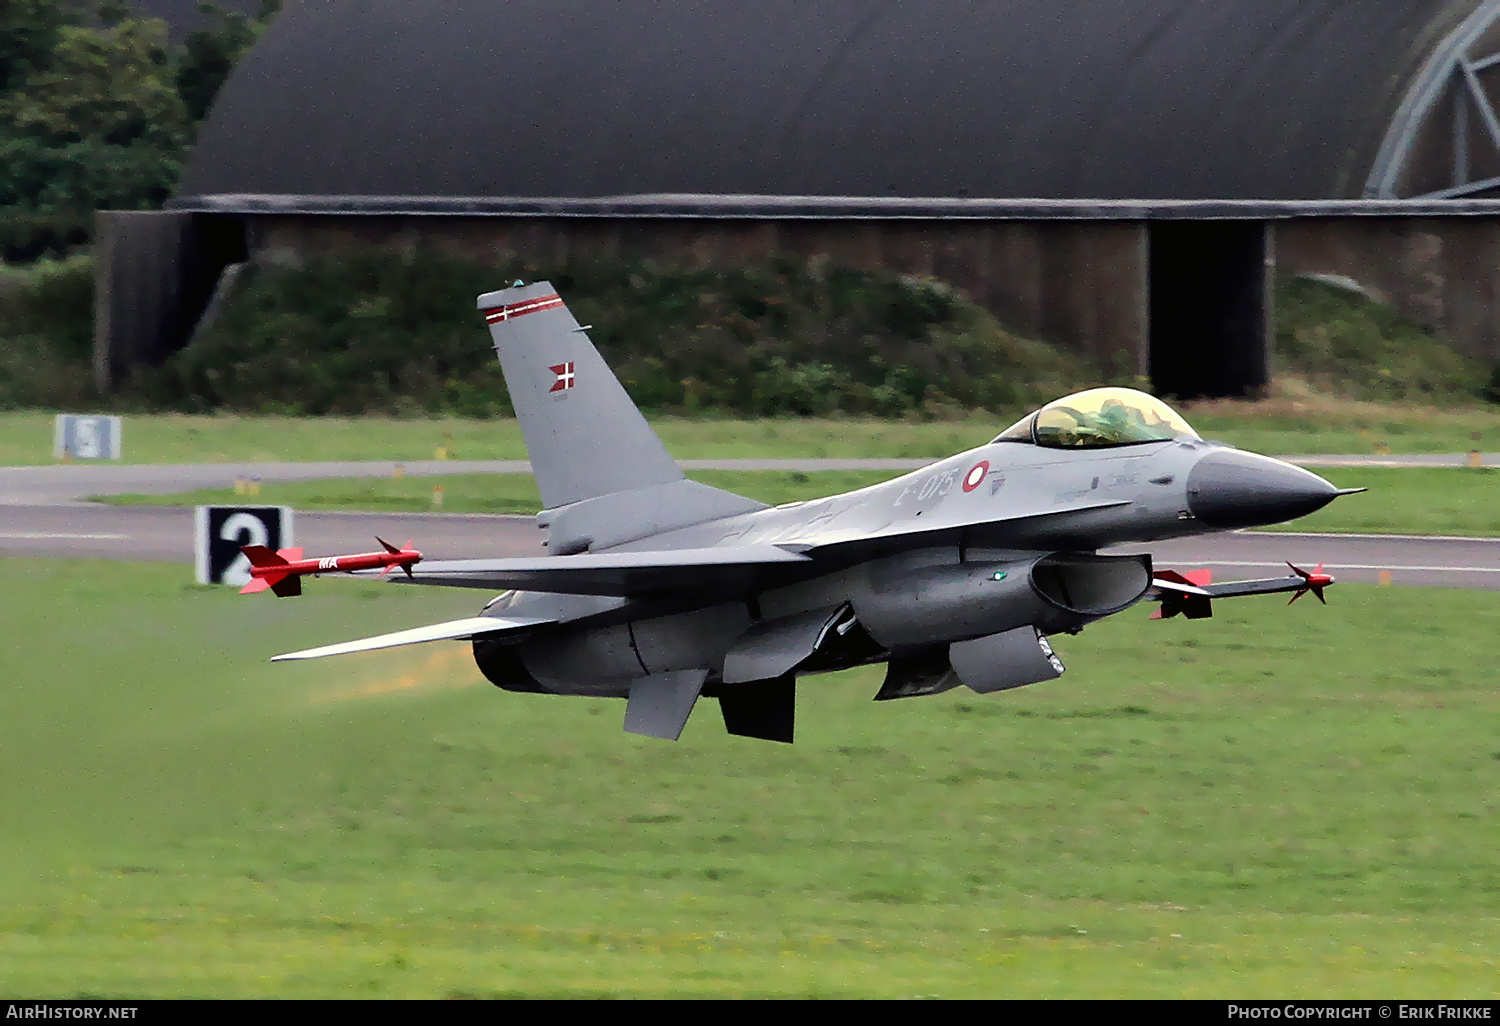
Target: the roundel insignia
pixel 975 476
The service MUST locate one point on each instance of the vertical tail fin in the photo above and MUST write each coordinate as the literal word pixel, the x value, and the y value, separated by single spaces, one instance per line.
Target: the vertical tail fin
pixel 584 435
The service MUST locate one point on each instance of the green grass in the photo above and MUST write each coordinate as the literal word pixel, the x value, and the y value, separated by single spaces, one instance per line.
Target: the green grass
pixel 1270 804
pixel 1278 427
pixel 1414 500
pixel 26 438
pixel 1348 344
pixel 1455 501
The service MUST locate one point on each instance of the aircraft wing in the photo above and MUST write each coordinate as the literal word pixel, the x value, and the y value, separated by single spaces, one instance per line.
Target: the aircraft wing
pixel 454 630
pixel 613 573
pixel 1065 526
pixel 733 570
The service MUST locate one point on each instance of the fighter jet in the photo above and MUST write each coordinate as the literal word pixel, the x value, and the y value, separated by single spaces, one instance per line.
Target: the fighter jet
pixel 661 590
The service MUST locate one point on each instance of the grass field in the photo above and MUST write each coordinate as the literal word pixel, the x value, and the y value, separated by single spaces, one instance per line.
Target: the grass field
pixel 1277 427
pixel 1273 803
pixel 1457 501
pixel 1454 501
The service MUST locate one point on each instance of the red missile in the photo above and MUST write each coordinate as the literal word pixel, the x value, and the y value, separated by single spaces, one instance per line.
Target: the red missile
pixel 282 571
pixel 1313 582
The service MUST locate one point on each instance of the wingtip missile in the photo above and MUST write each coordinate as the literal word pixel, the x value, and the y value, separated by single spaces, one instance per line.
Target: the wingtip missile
pixel 281 572
pixel 1174 593
pixel 1313 582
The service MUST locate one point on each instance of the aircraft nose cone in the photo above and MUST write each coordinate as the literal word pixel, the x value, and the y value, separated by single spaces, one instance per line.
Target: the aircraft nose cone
pixel 1240 489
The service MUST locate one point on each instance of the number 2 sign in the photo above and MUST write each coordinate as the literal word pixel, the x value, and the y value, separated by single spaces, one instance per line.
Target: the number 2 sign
pixel 221 531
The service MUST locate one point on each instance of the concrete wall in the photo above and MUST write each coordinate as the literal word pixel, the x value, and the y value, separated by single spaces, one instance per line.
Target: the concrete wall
pixel 1444 272
pixel 138 287
pixel 154 274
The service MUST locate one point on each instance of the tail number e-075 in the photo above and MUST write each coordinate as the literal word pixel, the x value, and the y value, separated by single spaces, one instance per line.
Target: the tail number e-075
pixel 934 487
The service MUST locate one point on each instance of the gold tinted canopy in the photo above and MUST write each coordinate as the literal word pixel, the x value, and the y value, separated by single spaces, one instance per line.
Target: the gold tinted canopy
pixel 1101 417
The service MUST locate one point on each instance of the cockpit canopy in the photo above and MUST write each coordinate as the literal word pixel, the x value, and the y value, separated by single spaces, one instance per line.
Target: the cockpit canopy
pixel 1099 418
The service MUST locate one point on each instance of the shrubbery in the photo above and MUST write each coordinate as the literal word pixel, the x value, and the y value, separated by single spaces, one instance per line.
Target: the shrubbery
pixel 372 333
pixel 1343 343
pixel 46 334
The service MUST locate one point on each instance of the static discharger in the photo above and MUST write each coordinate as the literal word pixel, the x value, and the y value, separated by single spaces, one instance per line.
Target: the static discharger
pixel 282 571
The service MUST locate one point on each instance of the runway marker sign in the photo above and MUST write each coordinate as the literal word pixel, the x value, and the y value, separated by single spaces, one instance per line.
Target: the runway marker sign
pixel 86 437
pixel 220 531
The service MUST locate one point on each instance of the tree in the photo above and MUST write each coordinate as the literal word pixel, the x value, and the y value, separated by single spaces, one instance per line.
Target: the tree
pixel 209 55
pixel 28 33
pixel 97 111
pixel 97 122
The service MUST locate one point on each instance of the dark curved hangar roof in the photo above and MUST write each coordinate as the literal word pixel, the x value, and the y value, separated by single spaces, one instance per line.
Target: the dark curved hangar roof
pixel 1106 99
pixel 183 16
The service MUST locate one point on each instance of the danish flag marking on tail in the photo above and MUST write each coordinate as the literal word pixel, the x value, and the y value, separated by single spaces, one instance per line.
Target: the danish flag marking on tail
pixel 565 377
pixel 495 315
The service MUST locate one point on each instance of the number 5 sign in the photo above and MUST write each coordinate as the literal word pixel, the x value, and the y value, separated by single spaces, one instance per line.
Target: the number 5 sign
pixel 81 437
pixel 222 530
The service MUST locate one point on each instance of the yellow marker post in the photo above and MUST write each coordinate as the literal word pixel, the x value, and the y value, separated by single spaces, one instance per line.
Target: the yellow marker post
pixel 398 472
pixel 437 496
pixel 255 486
pixel 1476 458
pixel 240 486
pixel 440 453
pixel 1385 577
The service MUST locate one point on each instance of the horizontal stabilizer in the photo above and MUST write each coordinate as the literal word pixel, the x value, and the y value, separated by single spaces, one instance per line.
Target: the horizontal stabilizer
pixel 610 573
pixel 453 630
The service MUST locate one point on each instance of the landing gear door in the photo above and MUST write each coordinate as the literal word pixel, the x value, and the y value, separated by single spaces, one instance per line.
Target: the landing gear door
pixel 1010 659
pixel 774 647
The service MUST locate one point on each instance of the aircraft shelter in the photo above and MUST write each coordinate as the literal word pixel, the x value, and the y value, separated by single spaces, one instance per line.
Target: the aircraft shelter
pixel 1119 178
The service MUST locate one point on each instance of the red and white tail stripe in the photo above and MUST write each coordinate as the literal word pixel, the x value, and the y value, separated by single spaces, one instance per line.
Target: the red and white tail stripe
pixel 497 314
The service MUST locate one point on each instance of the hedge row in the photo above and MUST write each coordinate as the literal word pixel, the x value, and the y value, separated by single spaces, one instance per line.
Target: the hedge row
pixel 374 333
pixel 1343 343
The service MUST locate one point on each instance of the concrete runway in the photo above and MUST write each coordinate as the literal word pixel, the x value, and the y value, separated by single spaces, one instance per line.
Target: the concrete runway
pixel 42 513
pixel 166 533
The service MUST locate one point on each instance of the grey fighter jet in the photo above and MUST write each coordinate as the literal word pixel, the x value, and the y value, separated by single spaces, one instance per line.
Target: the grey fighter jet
pixel 661 590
